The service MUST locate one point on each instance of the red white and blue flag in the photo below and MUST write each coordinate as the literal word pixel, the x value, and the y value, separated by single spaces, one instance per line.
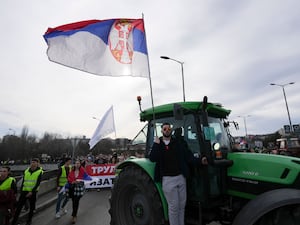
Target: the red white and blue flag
pixel 113 47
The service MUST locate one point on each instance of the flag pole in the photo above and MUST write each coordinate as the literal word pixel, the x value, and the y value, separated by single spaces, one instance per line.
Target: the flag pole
pixel 150 82
pixel 113 115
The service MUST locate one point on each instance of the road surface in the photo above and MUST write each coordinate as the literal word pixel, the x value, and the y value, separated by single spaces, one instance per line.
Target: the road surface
pixel 93 210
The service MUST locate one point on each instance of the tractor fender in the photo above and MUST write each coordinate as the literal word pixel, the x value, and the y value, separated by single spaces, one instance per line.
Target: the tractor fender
pixel 147 166
pixel 265 203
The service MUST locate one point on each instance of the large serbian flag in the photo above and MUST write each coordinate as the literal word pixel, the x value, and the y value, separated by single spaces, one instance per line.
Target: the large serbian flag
pixel 113 47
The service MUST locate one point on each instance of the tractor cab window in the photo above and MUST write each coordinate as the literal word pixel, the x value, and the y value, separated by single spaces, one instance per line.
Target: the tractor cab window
pixel 220 135
pixel 138 143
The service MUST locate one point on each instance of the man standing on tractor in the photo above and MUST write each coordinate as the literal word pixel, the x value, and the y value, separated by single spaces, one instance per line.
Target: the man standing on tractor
pixel 172 157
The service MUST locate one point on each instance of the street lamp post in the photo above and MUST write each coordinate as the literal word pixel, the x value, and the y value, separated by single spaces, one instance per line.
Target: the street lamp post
pixel 182 74
pixel 286 104
pixel 245 124
pixel 74 142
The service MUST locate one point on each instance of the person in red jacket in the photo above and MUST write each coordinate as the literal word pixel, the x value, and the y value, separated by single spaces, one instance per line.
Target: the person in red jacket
pixel 76 187
pixel 8 191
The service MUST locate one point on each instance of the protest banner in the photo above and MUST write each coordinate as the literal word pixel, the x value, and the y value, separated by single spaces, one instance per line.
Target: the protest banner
pixel 102 175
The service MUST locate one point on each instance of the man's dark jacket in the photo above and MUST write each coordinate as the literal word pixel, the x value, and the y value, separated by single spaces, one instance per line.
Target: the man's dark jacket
pixel 184 156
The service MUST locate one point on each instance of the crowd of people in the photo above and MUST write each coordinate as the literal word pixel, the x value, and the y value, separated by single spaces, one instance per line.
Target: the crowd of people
pixel 10 208
pixel 69 183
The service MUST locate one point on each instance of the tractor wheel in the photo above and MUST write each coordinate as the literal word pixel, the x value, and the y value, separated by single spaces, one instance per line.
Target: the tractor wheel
pixel 135 199
pixel 277 207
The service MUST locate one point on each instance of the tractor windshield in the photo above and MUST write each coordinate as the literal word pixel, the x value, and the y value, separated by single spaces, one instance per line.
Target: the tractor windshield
pixel 184 128
pixel 219 133
pixel 187 129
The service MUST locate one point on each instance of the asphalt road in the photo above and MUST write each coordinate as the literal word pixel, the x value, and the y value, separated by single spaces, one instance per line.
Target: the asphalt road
pixel 93 210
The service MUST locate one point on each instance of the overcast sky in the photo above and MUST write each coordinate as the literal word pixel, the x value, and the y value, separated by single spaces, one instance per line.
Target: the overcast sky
pixel 232 51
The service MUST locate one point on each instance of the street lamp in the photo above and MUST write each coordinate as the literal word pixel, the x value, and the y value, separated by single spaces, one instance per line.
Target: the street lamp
pixel 182 75
pixel 245 124
pixel 286 104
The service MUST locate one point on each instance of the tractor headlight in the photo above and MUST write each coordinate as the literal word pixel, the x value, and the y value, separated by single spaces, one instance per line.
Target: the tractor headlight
pixel 216 146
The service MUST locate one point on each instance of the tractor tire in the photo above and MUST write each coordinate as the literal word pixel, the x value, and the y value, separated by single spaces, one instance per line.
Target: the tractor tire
pixel 134 199
pixel 277 207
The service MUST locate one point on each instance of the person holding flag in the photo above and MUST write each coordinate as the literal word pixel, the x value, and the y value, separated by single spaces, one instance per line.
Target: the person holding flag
pixel 76 186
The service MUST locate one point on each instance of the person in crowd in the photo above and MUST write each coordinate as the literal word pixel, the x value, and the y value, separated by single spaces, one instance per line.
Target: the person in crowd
pixel 62 160
pixel 82 162
pixel 8 192
pixel 172 158
pixel 61 181
pixel 98 160
pixel 31 182
pixel 114 159
pixel 76 187
pixel 89 161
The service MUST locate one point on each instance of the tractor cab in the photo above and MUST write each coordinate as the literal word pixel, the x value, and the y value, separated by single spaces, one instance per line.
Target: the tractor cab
pixel 207 136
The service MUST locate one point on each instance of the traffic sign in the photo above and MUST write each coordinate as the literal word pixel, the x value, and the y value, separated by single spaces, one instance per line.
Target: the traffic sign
pixel 296 128
pixel 287 129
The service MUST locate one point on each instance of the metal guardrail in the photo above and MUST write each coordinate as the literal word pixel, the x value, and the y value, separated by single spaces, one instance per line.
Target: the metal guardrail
pixel 48 183
pixel 46 175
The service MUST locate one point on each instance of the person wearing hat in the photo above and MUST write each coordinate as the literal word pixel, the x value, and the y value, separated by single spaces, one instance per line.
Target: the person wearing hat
pixel 31 181
pixel 61 181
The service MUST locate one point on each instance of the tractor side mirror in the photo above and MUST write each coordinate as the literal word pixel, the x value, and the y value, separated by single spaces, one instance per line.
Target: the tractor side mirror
pixel 177 112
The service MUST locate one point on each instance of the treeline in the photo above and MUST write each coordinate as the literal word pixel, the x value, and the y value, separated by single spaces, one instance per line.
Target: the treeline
pixel 27 146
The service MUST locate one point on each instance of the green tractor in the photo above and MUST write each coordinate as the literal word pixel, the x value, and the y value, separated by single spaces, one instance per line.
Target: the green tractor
pixel 237 188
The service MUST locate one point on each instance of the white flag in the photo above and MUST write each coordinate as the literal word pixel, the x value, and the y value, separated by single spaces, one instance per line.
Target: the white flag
pixel 105 127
